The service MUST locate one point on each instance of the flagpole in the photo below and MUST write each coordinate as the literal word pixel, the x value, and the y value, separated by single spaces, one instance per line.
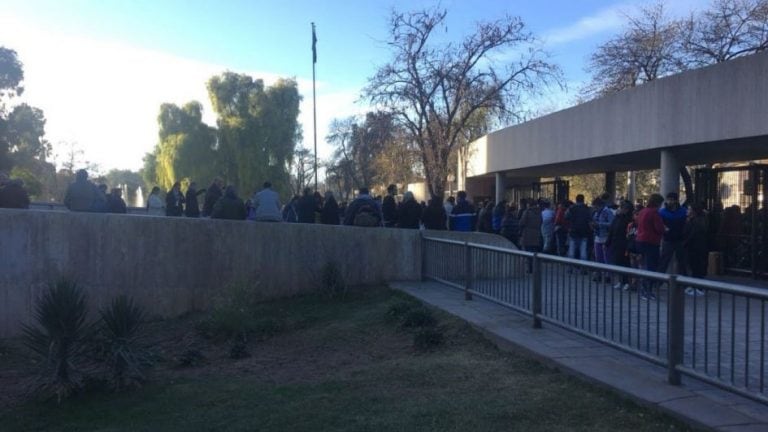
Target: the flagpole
pixel 314 96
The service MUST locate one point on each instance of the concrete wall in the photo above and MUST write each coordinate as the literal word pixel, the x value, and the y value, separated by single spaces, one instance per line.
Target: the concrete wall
pixel 713 114
pixel 175 265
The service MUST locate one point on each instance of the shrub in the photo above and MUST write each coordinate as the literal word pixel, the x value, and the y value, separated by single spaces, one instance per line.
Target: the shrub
pixel 233 315
pixel 400 309
pixel 427 339
pixel 121 343
pixel 332 281
pixel 60 339
pixel 419 317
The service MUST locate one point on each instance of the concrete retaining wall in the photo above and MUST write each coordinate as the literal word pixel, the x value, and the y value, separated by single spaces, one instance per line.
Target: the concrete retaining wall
pixel 175 265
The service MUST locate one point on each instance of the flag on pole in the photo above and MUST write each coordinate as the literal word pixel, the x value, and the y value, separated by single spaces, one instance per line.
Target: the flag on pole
pixel 314 44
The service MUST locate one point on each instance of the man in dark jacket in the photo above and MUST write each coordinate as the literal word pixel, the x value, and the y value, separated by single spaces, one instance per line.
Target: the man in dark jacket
pixel 306 207
pixel 409 214
pixel 230 206
pixel 674 216
pixel 389 207
pixel 212 196
pixel 115 203
pixel 193 207
pixel 579 218
pixel 363 211
pixel 463 217
pixel 434 217
pixel 12 193
pixel 81 194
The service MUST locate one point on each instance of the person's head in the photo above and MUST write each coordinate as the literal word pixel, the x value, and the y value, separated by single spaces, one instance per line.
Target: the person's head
pixel 192 186
pixel 672 199
pixel 655 200
pixel 597 203
pixel 230 191
pixel 452 200
pixel 436 202
pixel 218 182
pixel 329 196
pixel 117 192
pixel 176 187
pixel 408 196
pixel 544 204
pixel 605 198
pixel 523 202
pixel 626 207
pixel 307 192
pixel 155 191
pixel 579 199
pixel 363 191
pixel 392 189
pixel 267 185
pixel 103 188
pixel 81 175
pixel 462 195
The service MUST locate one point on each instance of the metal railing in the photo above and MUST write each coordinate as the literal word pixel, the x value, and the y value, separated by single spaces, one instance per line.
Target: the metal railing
pixel 704 329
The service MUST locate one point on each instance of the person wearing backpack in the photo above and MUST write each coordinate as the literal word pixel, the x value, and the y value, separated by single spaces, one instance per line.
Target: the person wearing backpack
pixel 579 218
pixel 364 211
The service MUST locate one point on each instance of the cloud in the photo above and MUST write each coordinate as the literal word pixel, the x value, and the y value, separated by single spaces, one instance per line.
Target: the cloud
pixel 606 19
pixel 105 95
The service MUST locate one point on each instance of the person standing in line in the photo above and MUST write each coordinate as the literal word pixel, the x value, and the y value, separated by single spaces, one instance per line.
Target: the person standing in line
pixel 462 217
pixel 650 231
pixel 485 218
pixel 601 224
pixel 578 217
pixel 510 226
pixel 174 201
pixel 448 206
pixel 266 205
pixel 330 213
pixel 192 208
pixel 230 206
pixel 289 210
pixel 212 195
pixel 434 217
pixel 155 205
pixel 617 243
pixel 306 207
pixel 674 216
pixel 100 204
pixel 561 228
pixel 696 239
pixel 81 194
pixel 12 193
pixel 498 215
pixel 530 228
pixel 409 213
pixel 115 202
pixel 364 211
pixel 547 228
pixel 389 207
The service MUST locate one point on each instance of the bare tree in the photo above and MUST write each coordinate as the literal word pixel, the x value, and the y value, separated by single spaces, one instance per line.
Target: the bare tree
pixel 302 170
pixel 728 29
pixel 648 49
pixel 433 89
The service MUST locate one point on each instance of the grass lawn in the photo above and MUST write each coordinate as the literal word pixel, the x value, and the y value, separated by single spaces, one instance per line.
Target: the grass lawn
pixel 339 366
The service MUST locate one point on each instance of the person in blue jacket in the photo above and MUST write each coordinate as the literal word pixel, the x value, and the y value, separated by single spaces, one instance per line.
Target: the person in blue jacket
pixel 463 216
pixel 674 216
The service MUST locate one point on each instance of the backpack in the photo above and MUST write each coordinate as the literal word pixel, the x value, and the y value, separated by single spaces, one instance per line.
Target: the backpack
pixel 367 216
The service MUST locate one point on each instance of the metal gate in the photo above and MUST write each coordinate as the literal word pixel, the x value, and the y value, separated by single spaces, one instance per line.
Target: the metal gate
pixel 738 219
pixel 555 191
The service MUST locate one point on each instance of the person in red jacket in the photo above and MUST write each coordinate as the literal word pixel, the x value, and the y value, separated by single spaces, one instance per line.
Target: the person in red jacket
pixel 650 231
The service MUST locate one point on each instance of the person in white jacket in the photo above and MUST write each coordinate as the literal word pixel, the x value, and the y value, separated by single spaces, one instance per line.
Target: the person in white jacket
pixel 266 205
pixel 155 205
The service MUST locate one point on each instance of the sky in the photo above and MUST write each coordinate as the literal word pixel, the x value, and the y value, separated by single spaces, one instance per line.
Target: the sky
pixel 100 69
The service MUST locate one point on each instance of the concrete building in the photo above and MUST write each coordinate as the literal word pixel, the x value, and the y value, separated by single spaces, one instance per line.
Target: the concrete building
pixel 709 115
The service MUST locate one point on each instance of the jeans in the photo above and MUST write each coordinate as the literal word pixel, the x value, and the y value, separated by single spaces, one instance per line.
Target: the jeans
pixel 650 253
pixel 561 239
pixel 581 244
pixel 601 253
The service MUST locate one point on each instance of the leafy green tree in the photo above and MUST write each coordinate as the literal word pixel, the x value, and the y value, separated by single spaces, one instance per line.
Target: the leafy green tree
pixel 257 129
pixel 11 76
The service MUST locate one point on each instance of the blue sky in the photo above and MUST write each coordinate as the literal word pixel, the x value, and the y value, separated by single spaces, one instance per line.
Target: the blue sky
pixel 111 63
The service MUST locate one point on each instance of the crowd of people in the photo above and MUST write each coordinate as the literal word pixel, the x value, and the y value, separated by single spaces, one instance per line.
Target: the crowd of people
pixel 661 234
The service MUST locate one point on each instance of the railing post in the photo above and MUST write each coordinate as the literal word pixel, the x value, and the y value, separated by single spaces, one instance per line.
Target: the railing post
pixel 675 330
pixel 468 271
pixel 423 258
pixel 536 290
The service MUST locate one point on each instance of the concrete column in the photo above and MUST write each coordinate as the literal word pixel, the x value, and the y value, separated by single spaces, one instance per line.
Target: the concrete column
pixel 631 186
pixel 501 186
pixel 670 173
pixel 610 185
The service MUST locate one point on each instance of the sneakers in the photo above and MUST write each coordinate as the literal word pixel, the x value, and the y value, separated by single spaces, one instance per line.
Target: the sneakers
pixel 697 292
pixel 647 295
pixel 628 287
pixel 617 286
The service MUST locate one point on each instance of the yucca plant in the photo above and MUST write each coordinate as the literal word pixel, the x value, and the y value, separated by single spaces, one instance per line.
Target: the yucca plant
pixel 121 336
pixel 59 339
pixel 332 281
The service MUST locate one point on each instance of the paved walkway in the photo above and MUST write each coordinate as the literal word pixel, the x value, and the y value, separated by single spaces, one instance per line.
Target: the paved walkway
pixel 695 402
